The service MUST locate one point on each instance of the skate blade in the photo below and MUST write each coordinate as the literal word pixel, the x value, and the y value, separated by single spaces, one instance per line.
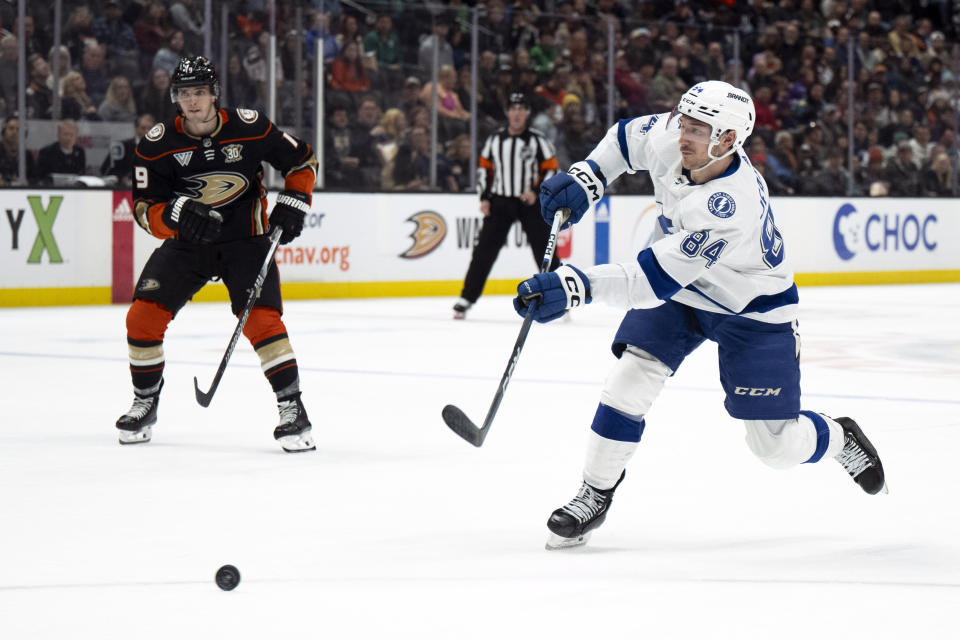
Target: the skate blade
pixel 298 443
pixel 555 542
pixel 136 437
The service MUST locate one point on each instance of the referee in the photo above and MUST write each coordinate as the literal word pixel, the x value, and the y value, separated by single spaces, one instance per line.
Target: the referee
pixel 514 161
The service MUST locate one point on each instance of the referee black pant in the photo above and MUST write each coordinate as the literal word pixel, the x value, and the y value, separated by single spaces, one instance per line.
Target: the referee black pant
pixel 493 234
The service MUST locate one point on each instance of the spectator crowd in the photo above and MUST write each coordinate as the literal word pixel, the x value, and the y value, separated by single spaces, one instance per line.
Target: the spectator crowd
pixel 794 57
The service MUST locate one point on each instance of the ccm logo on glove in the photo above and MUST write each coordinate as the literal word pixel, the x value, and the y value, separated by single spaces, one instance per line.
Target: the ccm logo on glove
pixel 589 182
pixel 581 186
pixel 573 291
pixel 551 294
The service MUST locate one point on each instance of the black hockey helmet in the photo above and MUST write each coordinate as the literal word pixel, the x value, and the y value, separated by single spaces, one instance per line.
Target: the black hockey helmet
pixel 195 71
pixel 519 98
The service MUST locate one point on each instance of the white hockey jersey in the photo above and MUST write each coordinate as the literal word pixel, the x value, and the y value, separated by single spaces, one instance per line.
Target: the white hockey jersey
pixel 719 248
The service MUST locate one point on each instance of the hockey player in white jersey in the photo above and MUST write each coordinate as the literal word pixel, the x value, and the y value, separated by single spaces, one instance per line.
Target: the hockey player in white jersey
pixel 718 270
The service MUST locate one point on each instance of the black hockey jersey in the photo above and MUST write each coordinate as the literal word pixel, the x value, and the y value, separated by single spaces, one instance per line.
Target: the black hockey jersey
pixel 223 169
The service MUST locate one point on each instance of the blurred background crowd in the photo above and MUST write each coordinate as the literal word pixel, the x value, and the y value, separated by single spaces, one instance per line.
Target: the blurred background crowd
pixel 853 97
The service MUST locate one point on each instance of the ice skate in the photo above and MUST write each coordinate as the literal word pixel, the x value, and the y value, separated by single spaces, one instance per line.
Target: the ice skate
pixel 293 432
pixel 572 524
pixel 136 425
pixel 859 458
pixel 460 308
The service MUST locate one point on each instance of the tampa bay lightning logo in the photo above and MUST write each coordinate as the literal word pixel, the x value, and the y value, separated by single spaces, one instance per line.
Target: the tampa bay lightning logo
pixel 698 89
pixel 846 231
pixel 721 205
pixel 646 126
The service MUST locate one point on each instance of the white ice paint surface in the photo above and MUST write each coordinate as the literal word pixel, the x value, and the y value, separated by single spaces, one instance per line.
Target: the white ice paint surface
pixel 396 528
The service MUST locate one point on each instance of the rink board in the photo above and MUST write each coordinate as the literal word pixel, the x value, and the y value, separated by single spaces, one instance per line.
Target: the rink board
pixel 82 247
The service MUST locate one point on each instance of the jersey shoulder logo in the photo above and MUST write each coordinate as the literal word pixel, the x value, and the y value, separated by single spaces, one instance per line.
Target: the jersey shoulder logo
pixel 721 205
pixel 232 152
pixel 156 132
pixel 646 126
pixel 248 115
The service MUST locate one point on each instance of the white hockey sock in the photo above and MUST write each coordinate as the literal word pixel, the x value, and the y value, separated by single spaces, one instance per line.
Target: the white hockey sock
pixel 782 444
pixel 606 460
pixel 836 438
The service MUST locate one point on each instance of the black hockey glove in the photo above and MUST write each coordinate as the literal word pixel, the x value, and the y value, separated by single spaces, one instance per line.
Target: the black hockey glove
pixel 193 220
pixel 289 212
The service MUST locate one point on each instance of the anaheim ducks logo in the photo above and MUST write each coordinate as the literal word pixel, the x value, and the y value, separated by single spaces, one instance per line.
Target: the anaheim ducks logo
pixel 430 232
pixel 248 115
pixel 215 188
pixel 156 132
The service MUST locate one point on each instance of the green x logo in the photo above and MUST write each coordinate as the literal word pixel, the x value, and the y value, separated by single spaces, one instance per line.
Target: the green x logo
pixel 45 218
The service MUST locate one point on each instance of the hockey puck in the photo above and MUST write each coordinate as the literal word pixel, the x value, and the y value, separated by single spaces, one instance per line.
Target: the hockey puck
pixel 228 577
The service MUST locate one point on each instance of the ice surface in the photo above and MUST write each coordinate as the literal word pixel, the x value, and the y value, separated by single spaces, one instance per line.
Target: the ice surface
pixel 396 528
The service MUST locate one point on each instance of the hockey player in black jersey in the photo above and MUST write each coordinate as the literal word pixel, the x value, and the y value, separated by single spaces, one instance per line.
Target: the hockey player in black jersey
pixel 197 184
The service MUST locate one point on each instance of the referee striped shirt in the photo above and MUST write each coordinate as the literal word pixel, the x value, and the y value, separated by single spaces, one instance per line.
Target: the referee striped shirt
pixel 511 165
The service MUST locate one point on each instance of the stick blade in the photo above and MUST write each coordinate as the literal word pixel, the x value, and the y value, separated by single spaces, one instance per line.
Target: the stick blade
pixel 461 425
pixel 203 398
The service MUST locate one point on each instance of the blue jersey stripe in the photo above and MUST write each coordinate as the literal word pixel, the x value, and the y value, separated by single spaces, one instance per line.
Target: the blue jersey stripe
pixel 773 301
pixel 622 139
pixel 660 281
pixel 760 304
pixel 665 223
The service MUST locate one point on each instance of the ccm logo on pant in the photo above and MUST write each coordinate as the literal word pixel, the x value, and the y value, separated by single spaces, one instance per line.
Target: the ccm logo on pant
pixel 756 391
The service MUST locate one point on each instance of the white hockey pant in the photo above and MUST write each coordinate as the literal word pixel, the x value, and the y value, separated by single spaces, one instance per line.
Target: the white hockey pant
pixel 629 391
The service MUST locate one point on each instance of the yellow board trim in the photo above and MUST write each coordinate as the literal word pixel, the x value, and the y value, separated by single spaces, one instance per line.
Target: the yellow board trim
pixel 54 297
pixel 318 290
pixel 846 278
pixel 322 290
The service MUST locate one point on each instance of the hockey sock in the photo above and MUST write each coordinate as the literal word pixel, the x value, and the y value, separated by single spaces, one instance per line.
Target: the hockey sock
pixel 146 325
pixel 808 438
pixel 613 440
pixel 830 436
pixel 146 364
pixel 268 335
pixel 288 392
pixel 278 363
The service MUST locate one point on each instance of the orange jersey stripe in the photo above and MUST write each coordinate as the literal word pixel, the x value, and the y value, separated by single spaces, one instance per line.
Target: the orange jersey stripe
pixel 301 181
pixel 165 153
pixel 157 226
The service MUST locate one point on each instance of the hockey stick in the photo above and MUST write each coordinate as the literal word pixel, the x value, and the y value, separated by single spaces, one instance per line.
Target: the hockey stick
pixel 456 419
pixel 205 398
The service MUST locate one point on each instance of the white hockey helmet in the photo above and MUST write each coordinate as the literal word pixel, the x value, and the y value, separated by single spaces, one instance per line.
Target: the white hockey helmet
pixel 722 106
